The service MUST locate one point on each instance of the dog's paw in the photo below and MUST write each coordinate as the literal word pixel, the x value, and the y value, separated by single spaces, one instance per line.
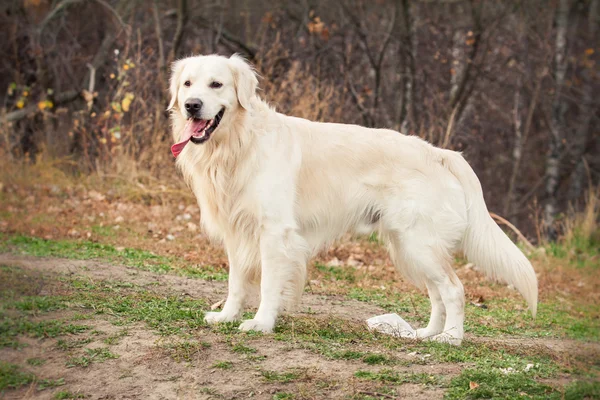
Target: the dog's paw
pixel 257 325
pixel 424 333
pixel 446 338
pixel 216 317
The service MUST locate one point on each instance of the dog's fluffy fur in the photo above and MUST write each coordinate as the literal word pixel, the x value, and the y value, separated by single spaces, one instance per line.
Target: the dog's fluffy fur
pixel 275 189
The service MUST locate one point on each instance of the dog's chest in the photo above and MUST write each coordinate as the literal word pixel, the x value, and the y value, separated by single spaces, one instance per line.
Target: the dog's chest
pixel 225 206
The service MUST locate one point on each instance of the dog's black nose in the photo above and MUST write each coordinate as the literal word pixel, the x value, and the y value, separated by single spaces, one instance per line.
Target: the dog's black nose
pixel 192 106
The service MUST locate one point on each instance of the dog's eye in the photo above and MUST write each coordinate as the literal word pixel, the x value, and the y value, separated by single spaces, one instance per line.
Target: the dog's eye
pixel 215 85
pixel 187 84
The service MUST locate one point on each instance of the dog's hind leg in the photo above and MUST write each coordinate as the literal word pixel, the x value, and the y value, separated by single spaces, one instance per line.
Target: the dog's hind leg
pixel 421 257
pixel 438 313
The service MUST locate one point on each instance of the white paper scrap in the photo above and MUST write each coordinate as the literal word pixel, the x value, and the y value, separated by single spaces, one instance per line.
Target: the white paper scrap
pixel 392 324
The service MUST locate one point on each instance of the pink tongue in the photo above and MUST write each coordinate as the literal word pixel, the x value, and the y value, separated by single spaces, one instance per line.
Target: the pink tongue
pixel 191 128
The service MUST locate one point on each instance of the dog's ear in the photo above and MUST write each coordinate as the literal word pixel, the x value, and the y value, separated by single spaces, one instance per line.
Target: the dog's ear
pixel 176 69
pixel 244 79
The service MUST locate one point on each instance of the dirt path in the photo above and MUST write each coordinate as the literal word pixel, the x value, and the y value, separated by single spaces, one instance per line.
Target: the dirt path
pixel 144 368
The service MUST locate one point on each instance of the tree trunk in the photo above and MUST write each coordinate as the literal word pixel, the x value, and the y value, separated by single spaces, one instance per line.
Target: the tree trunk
pixel 557 128
pixel 407 111
pixel 587 112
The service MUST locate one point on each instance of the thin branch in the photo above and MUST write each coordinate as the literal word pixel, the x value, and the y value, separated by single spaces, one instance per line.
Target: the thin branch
pixel 181 20
pixel 513 228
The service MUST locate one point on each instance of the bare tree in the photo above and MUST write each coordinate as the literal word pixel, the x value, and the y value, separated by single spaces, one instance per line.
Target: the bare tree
pixel 557 128
pixel 587 110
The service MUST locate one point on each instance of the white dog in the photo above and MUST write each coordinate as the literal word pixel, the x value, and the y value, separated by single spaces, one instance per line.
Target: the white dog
pixel 276 189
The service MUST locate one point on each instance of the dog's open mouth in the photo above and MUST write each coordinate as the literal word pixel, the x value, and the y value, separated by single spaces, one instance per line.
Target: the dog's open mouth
pixel 197 131
pixel 202 129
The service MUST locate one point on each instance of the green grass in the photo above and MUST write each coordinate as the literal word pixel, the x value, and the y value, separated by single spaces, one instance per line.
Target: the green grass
pixel 115 338
pixel 283 396
pixel 183 349
pixel 36 362
pixel 495 384
pixel 66 344
pixel 499 317
pixel 50 383
pixel 375 359
pixel 11 328
pixel 97 355
pixel 11 377
pixel 104 231
pixel 241 348
pixel 223 365
pixel 579 250
pixel 66 394
pixel 283 377
pixel 391 376
pixel 345 273
pixel 86 250
pixel 582 390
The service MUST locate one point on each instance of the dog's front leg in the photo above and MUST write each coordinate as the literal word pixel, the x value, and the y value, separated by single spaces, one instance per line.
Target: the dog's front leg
pixel 283 273
pixel 240 263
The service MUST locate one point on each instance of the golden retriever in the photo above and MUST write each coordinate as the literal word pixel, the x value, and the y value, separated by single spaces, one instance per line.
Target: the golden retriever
pixel 276 189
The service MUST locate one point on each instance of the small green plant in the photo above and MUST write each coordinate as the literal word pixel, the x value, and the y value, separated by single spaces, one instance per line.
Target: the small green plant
pixel 493 383
pixel 91 355
pixel 36 362
pixel 390 376
pixel 223 365
pixel 283 396
pixel 50 383
pixel 241 348
pixel 66 394
pixel 374 359
pixel 115 338
pixel 65 344
pixel 11 377
pixel 346 273
pixel 274 376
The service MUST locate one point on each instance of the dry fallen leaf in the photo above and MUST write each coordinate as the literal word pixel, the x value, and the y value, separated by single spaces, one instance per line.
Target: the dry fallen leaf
pixel 473 385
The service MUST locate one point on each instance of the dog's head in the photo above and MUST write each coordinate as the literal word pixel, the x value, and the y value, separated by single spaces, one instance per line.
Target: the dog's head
pixel 207 92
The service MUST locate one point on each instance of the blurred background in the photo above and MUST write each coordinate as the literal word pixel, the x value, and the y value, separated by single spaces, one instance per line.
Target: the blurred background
pixel 512 84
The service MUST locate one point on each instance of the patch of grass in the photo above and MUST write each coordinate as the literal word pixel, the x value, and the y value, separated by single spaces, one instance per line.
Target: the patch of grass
pixel 104 231
pixel 38 304
pixel 66 394
pixel 554 319
pixel 582 390
pixel 241 348
pixel 374 359
pixel 98 355
pixel 223 365
pixel 283 396
pixel 10 328
pixel 65 344
pixel 347 355
pixel 345 273
pixel 500 317
pixel 184 350
pixel 207 272
pixel 115 338
pixel 274 376
pixel 495 384
pixel 50 383
pixel 167 315
pixel 414 305
pixel 86 250
pixel 36 362
pixel 390 376
pixel 11 377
